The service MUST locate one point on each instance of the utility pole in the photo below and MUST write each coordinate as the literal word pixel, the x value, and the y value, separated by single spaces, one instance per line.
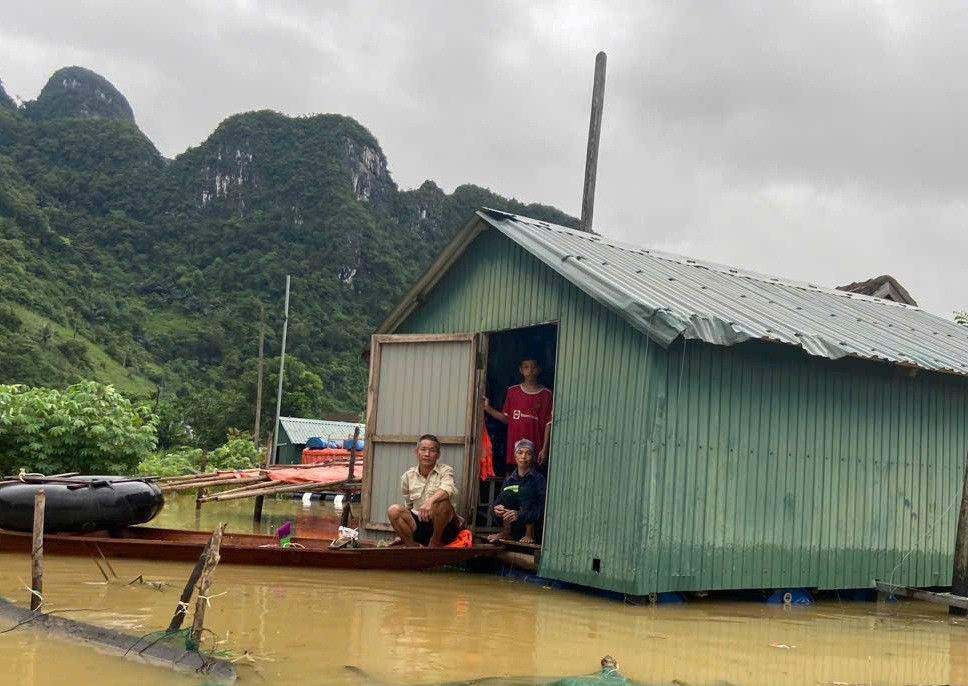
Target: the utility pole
pixel 274 439
pixel 594 136
pixel 282 369
pixel 258 388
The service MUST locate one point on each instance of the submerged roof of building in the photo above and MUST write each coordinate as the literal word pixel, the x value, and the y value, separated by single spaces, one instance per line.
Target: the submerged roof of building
pixel 301 430
pixel 667 296
pixel 884 286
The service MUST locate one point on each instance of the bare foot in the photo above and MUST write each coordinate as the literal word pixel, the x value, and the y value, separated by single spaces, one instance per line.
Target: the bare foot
pixel 494 538
pixel 526 539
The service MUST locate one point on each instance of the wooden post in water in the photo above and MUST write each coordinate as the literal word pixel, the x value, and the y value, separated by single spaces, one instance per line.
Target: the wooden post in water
pixel 201 491
pixel 352 474
pixel 348 492
pixel 37 553
pixel 186 596
pixel 257 508
pixel 959 574
pixel 594 136
pixel 205 582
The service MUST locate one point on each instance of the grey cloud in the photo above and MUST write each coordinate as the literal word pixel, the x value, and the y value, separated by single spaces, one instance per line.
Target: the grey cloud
pixel 817 140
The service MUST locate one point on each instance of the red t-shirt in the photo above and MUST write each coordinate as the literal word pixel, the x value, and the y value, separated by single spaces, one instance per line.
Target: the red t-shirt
pixel 527 413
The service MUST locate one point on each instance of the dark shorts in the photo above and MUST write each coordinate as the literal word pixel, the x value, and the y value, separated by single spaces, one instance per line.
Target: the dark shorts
pixel 425 530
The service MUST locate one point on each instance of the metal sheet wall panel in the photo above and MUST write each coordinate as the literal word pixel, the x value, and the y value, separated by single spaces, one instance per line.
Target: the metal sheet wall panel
pixel 496 285
pixel 701 467
pixel 423 388
pixel 393 460
pixel 777 470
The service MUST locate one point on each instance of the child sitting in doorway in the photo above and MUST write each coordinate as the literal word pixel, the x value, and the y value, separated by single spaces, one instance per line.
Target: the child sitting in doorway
pixel 528 410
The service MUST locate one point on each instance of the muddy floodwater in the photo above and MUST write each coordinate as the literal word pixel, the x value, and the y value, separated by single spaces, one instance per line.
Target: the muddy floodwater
pixel 302 627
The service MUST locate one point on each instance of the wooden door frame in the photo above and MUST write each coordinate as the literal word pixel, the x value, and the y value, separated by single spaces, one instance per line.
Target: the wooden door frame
pixel 469 440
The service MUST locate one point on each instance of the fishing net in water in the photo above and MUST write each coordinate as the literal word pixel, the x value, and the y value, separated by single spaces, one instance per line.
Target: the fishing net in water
pixel 176 640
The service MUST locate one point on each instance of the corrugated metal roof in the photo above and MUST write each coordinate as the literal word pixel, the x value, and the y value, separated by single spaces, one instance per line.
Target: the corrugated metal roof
pixel 301 430
pixel 667 296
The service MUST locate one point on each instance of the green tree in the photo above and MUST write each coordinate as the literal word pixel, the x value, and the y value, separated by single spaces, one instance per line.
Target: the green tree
pixel 88 428
pixel 962 317
pixel 236 453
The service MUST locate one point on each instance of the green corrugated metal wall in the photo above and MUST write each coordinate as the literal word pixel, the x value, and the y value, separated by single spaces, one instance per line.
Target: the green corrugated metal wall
pixel 286 452
pixel 703 467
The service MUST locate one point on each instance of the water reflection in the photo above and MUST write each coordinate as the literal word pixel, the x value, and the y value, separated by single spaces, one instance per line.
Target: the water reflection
pixel 304 626
pixel 315 519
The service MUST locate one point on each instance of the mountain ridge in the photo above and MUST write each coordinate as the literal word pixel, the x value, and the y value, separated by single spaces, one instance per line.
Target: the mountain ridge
pixel 166 264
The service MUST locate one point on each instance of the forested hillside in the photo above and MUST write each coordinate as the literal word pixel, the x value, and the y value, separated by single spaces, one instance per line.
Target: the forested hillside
pixel 120 266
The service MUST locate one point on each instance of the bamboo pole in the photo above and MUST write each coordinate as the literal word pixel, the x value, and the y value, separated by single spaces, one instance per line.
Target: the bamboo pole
pixel 271 488
pixel 186 596
pixel 241 489
pixel 213 482
pixel 182 477
pixel 37 552
pixel 336 462
pixel 309 487
pixel 196 480
pixel 205 582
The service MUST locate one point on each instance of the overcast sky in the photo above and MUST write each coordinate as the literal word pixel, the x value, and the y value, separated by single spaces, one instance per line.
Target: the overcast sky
pixel 821 141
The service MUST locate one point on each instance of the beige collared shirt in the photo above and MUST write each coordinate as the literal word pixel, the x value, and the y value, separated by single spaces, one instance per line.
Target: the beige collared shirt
pixel 416 489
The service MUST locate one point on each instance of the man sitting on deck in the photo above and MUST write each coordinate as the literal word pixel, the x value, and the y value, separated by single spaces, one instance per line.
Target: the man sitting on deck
pixel 428 517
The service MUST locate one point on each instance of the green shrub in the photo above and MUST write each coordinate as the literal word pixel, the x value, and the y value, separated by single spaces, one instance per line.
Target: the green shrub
pixel 238 453
pixel 173 463
pixel 88 428
pixel 235 454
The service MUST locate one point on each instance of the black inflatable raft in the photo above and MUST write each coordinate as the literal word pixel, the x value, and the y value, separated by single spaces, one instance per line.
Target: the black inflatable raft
pixel 81 503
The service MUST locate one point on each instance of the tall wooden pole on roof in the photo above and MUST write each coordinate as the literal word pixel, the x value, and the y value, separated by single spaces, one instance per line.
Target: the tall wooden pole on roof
pixel 594 136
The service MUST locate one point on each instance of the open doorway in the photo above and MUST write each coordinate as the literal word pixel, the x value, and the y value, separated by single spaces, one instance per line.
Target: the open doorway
pixel 505 352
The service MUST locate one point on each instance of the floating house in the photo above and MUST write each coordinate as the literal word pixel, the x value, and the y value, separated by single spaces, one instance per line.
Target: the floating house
pixel 713 428
pixel 295 431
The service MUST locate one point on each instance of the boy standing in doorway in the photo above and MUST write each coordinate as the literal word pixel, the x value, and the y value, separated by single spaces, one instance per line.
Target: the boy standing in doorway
pixel 528 409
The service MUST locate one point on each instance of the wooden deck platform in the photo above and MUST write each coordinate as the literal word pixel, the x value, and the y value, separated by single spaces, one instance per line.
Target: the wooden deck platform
pixel 949 599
